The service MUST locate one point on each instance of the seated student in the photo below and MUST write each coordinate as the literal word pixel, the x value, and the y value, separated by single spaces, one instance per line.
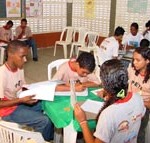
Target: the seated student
pixel 144 43
pixel 120 118
pixel 24 32
pixel 80 70
pixel 146 33
pixel 6 32
pixel 26 110
pixel 139 81
pixel 133 39
pixel 109 47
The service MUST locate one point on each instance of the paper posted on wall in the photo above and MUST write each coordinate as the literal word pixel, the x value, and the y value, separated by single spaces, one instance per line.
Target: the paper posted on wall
pixel 42 90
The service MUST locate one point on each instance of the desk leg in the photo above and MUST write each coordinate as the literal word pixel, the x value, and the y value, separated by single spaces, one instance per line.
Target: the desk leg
pixel 70 134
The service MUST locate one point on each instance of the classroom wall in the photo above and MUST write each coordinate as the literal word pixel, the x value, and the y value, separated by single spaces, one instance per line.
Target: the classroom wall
pixel 48 39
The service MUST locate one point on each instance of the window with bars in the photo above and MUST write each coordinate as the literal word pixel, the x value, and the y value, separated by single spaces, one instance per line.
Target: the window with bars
pixel 98 22
pixel 129 11
pixel 53 18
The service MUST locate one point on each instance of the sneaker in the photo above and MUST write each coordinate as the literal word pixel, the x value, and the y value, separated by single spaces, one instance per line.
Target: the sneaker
pixel 35 59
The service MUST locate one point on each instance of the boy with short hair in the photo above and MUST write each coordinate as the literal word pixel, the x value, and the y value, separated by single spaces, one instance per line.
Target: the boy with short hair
pixel 80 70
pixel 26 110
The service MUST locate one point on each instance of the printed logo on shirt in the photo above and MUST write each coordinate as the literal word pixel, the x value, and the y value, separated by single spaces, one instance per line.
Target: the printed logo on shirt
pixel 18 84
pixel 131 137
pixel 135 117
pixel 136 84
pixel 123 126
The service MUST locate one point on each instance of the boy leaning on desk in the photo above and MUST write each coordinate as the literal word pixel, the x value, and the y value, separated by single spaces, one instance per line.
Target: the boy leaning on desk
pixel 79 70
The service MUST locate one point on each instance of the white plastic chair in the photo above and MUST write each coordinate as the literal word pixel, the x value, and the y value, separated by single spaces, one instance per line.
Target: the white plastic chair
pixel 2 50
pixel 13 134
pixel 80 40
pixel 91 41
pixel 55 64
pixel 65 40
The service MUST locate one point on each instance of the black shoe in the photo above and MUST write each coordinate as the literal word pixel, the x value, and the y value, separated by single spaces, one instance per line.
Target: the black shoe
pixel 35 59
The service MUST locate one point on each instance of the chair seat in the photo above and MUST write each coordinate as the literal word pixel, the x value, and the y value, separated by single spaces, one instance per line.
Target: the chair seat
pixel 62 43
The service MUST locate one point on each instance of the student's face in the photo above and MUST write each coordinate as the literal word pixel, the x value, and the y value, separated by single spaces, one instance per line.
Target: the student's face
pixel 133 30
pixel 23 24
pixel 19 57
pixel 82 72
pixel 139 62
pixel 120 37
pixel 9 26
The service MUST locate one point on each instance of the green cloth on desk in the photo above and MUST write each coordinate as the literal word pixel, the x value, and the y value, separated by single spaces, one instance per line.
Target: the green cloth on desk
pixel 61 112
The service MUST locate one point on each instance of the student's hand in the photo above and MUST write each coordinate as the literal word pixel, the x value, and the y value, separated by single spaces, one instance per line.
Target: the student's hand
pixel 79 113
pixel 103 94
pixel 28 99
pixel 79 87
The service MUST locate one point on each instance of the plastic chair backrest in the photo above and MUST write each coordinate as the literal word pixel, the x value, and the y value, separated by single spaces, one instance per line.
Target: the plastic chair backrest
pixel 81 34
pixel 92 38
pixel 67 34
pixel 9 134
pixel 55 64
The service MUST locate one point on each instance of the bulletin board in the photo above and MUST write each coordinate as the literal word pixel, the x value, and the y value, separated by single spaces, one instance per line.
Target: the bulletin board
pixel 12 9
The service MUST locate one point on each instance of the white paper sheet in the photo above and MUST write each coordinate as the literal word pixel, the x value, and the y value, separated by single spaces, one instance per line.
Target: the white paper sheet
pixel 42 90
pixel 96 90
pixel 92 106
pixel 68 93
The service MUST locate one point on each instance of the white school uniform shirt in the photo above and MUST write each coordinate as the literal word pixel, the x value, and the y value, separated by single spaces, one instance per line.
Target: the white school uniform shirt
pixel 5 34
pixel 131 40
pixel 147 35
pixel 120 122
pixel 108 49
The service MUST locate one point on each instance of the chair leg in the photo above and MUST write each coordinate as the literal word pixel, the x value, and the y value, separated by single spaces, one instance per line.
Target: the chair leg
pixel 55 49
pixel 71 52
pixel 65 51
pixel 2 55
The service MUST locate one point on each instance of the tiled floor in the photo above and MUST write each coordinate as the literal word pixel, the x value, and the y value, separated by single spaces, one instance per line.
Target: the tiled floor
pixel 37 71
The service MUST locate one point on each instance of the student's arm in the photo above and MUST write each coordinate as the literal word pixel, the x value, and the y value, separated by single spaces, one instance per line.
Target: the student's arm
pixel 17 101
pixel 19 36
pixel 90 84
pixel 3 41
pixel 81 117
pixel 66 87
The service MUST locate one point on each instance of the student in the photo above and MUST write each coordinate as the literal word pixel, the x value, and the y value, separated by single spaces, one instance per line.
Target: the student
pixel 26 110
pixel 120 118
pixel 6 32
pixel 144 43
pixel 24 32
pixel 80 70
pixel 139 81
pixel 132 40
pixel 146 33
pixel 109 48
